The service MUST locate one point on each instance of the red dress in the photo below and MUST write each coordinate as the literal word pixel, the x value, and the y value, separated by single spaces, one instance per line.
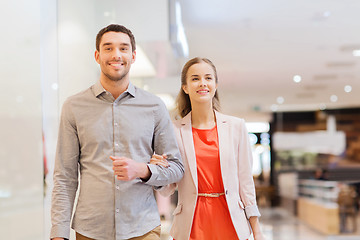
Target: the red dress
pixel 212 218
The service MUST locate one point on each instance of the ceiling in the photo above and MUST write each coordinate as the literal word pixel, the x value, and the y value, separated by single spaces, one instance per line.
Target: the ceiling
pixel 258 46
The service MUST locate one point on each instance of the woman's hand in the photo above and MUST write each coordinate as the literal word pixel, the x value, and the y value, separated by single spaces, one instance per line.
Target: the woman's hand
pixel 159 160
pixel 259 236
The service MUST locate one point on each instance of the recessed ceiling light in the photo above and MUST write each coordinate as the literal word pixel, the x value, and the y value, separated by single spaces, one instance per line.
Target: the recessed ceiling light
pixel 347 88
pixel 322 106
pixel 327 14
pixel 297 78
pixel 274 107
pixel 54 86
pixel 280 100
pixel 333 98
pixel 356 53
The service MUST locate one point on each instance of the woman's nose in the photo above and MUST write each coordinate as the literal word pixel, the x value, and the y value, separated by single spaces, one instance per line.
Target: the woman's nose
pixel 202 82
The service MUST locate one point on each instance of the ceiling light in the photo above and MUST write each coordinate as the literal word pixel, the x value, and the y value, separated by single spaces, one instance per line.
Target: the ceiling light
pixel 322 106
pixel 327 14
pixel 257 127
pixel 347 88
pixel 274 107
pixel 333 98
pixel 297 78
pixel 356 53
pixel 55 86
pixel 280 100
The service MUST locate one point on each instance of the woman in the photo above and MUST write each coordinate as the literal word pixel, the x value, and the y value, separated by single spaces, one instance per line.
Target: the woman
pixel 217 194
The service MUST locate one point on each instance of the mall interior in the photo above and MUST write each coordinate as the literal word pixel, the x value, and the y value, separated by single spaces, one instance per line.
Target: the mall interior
pixel 291 69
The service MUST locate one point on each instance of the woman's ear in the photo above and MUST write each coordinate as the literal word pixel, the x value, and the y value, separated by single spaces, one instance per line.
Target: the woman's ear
pixel 184 87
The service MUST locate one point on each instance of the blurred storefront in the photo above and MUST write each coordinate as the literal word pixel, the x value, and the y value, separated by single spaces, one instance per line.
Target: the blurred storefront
pixel 315 168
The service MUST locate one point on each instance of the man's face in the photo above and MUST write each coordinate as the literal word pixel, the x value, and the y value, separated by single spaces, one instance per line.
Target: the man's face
pixel 115 56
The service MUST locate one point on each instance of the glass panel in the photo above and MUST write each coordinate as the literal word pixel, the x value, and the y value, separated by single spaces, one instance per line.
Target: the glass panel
pixel 21 153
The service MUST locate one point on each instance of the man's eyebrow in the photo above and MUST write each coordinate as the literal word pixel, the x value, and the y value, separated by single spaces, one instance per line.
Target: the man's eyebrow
pixel 106 44
pixel 109 44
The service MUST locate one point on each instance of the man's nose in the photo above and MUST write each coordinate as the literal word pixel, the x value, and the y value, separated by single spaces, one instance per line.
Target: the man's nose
pixel 117 54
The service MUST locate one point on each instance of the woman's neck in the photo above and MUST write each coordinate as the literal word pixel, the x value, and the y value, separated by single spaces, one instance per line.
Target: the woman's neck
pixel 203 117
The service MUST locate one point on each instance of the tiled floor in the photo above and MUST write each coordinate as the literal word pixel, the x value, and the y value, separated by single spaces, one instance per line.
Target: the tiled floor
pixel 277 224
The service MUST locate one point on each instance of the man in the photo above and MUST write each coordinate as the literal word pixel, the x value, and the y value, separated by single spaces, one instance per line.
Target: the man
pixel 108 134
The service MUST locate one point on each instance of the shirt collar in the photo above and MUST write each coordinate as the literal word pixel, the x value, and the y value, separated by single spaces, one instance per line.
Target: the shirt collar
pixel 99 89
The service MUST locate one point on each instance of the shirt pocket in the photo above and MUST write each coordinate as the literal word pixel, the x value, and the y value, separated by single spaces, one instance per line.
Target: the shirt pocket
pixel 178 209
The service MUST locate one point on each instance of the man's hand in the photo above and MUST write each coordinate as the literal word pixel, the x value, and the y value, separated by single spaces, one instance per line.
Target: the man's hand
pixel 127 169
pixel 159 160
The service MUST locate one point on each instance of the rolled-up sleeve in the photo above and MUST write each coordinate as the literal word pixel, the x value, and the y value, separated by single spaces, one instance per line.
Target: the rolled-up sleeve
pixel 247 186
pixel 252 211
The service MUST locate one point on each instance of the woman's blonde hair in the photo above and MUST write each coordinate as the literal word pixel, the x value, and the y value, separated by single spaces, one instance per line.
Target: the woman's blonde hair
pixel 183 103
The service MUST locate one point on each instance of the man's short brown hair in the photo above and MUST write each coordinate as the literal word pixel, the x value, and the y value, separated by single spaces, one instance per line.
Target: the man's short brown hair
pixel 115 28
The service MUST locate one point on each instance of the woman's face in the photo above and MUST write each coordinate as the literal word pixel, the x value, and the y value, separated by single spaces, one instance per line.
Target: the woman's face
pixel 200 83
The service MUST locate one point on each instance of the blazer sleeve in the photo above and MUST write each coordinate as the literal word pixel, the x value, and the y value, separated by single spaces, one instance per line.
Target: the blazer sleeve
pixel 246 182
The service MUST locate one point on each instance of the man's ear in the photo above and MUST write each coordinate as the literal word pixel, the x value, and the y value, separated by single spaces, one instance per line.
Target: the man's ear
pixel 133 57
pixel 97 56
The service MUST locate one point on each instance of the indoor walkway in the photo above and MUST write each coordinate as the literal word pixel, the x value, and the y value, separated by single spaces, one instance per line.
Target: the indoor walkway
pixel 278 224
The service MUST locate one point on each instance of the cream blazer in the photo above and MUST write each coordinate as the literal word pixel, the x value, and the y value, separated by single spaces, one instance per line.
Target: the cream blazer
pixel 236 170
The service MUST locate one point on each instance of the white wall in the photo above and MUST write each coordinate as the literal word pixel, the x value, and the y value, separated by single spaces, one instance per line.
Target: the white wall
pixel 47 55
pixel 21 159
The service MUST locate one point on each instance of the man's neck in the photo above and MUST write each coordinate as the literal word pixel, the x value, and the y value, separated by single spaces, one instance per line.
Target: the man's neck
pixel 115 87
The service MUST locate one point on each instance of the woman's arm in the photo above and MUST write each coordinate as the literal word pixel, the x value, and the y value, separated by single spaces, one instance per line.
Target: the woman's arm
pixel 160 160
pixel 255 226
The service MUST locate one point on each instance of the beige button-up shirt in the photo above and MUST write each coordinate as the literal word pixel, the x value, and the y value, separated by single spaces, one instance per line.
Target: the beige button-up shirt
pixel 94 126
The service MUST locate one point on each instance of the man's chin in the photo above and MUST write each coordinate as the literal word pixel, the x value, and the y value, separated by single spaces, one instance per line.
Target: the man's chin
pixel 115 78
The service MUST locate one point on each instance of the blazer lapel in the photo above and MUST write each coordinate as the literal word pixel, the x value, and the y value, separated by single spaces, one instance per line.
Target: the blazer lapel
pixel 188 143
pixel 223 136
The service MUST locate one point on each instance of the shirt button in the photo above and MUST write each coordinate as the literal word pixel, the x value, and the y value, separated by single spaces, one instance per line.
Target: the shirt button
pixel 117 210
pixel 226 191
pixel 116 145
pixel 115 124
pixel 117 187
